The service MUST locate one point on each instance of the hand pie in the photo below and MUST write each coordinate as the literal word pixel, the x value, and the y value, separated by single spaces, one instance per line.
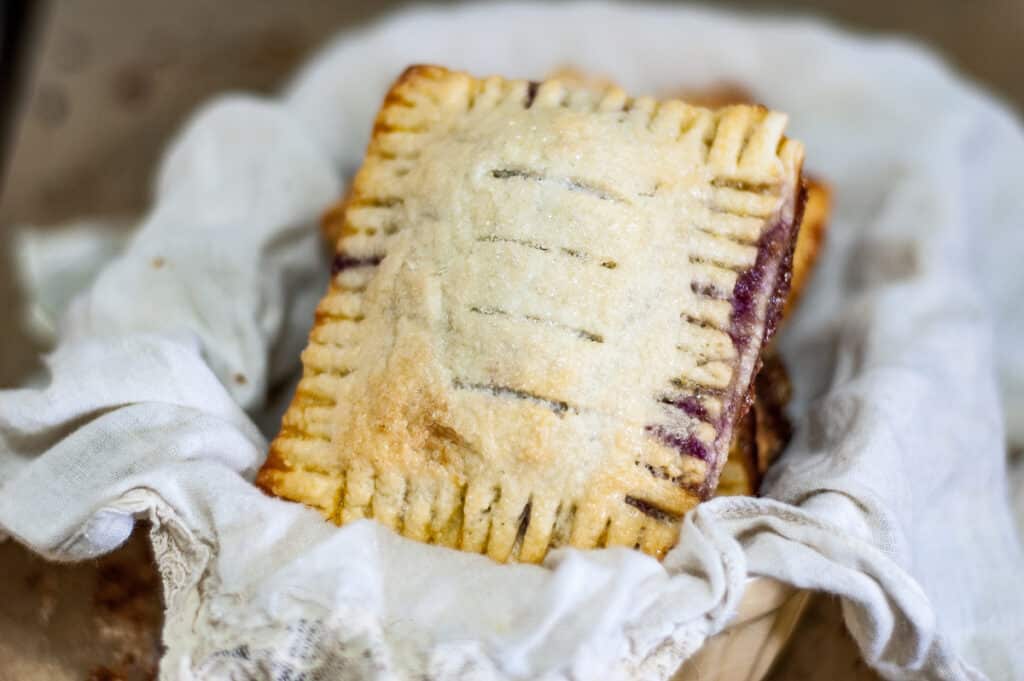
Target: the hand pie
pixel 545 315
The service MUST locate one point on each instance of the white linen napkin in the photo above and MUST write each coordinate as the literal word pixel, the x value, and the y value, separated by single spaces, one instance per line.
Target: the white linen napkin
pixel 893 494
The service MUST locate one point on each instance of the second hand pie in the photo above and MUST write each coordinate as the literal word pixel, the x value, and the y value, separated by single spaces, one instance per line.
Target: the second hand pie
pixel 545 316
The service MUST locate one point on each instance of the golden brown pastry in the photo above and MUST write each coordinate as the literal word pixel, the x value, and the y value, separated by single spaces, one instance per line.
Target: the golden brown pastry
pixel 813 229
pixel 546 312
pixel 740 476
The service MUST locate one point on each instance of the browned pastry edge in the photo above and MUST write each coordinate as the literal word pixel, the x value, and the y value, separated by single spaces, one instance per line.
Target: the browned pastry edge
pixel 742 412
pixel 773 394
pixel 740 476
pixel 762 434
pixel 813 229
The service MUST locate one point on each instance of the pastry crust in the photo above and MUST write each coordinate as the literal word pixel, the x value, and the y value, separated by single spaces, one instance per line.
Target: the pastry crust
pixel 762 434
pixel 740 476
pixel 545 315
pixel 809 242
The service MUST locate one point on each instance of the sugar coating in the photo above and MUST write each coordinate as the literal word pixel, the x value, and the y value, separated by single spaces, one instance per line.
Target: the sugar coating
pixel 546 310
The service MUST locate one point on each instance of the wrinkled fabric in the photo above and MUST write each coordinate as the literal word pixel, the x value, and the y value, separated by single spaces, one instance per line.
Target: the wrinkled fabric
pixel 893 494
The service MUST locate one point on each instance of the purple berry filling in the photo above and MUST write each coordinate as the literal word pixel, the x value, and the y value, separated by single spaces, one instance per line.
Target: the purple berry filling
pixel 688 404
pixel 775 246
pixel 683 443
pixel 344 262
pixel 752 282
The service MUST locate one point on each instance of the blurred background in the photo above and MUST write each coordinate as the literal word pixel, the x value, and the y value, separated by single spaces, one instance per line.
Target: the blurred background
pixel 95 92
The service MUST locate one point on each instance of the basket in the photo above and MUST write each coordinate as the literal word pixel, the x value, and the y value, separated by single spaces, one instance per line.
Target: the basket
pixel 747 648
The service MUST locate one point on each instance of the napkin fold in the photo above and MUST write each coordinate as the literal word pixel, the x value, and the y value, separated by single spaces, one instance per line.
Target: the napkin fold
pixel 893 494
